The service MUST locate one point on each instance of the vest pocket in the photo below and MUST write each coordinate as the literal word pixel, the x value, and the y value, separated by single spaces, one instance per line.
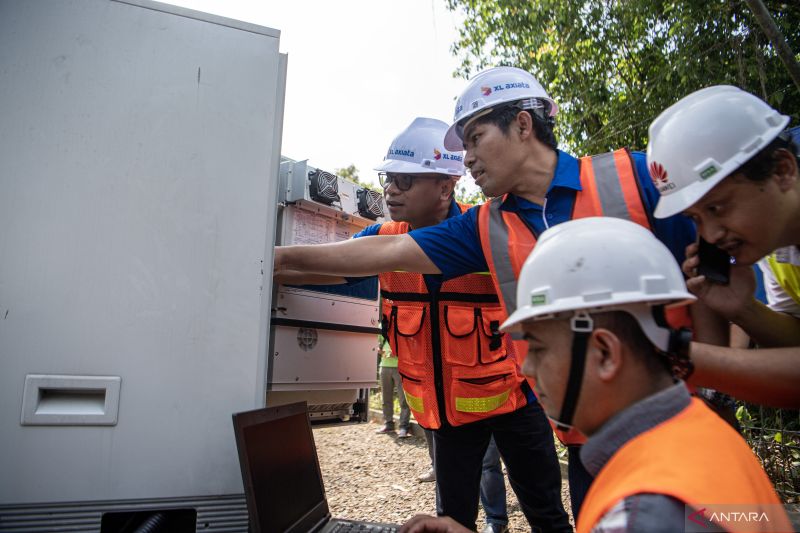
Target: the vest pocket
pixel 459 342
pixel 420 395
pixel 407 326
pixel 474 397
pixel 414 391
pixel 472 335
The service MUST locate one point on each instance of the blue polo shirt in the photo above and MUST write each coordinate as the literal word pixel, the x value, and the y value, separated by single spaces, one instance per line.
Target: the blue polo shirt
pixel 432 281
pixel 454 245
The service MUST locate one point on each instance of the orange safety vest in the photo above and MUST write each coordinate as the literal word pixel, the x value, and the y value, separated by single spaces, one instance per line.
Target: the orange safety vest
pixel 609 187
pixel 454 362
pixel 695 457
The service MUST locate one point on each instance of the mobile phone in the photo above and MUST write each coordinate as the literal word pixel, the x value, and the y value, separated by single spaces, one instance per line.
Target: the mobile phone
pixel 715 264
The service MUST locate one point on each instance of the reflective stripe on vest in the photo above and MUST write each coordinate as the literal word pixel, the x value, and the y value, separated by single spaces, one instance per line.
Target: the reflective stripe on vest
pixel 610 188
pixel 787 275
pixel 481 405
pixel 694 457
pixel 416 403
pixel 501 266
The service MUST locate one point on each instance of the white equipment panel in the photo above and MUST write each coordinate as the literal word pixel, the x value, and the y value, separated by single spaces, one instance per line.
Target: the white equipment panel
pixel 138 178
pixel 324 338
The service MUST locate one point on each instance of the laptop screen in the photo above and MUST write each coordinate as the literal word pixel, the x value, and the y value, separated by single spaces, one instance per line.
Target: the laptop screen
pixel 283 484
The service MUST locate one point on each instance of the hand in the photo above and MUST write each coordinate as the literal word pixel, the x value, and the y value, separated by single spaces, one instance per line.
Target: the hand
pixel 730 300
pixel 431 524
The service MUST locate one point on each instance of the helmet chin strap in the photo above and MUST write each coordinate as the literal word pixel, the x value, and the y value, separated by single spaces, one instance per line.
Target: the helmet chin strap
pixel 676 348
pixel 582 326
pixel 673 344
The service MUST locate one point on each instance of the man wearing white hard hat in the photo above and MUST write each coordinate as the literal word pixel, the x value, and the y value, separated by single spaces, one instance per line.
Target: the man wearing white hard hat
pixel 504 120
pixel 460 375
pixel 591 301
pixel 721 155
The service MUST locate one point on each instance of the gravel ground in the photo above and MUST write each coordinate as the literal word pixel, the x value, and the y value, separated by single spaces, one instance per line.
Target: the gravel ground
pixel 373 477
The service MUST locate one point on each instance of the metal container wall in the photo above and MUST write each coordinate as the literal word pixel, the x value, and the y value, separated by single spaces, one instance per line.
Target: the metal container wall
pixel 138 178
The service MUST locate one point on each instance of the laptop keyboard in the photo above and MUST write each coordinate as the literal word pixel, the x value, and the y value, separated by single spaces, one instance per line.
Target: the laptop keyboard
pixel 353 527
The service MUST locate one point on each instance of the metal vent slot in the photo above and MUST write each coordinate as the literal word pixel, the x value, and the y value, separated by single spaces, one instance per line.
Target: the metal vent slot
pixel 324 187
pixel 369 204
pixel 65 401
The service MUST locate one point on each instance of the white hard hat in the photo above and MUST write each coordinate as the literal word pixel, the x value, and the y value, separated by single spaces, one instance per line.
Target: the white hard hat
pixel 703 138
pixel 420 148
pixel 599 264
pixel 498 85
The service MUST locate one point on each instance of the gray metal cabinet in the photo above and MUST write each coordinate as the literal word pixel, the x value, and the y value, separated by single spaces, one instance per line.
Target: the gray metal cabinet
pixel 138 175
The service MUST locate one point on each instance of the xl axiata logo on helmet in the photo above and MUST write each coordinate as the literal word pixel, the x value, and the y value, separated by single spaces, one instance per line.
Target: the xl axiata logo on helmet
pixel 660 178
pixel 503 86
pixel 437 155
pixel 406 153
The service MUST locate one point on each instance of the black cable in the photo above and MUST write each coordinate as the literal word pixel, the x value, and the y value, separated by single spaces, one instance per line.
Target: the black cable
pixel 154 523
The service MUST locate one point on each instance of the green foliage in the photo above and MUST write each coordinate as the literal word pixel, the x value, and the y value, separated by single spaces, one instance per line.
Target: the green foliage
pixel 348 173
pixel 469 196
pixel 351 173
pixel 614 65
pixel 774 436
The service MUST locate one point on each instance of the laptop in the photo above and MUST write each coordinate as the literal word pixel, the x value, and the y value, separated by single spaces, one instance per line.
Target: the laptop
pixel 282 480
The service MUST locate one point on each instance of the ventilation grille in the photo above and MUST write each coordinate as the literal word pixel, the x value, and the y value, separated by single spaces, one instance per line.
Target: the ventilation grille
pixel 324 187
pixel 215 514
pixel 369 204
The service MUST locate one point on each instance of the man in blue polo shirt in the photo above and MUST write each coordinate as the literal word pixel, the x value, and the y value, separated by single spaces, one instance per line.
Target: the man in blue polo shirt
pixel 504 120
pixel 460 375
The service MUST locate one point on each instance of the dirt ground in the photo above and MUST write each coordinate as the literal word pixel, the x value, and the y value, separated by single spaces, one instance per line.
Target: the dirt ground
pixel 371 476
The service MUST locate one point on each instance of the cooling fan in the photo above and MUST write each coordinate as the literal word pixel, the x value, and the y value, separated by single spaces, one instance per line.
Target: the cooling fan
pixel 369 204
pixel 324 187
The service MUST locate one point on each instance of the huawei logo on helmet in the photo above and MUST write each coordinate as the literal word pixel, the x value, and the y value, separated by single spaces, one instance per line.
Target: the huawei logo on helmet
pixel 437 155
pixel 486 91
pixel 658 173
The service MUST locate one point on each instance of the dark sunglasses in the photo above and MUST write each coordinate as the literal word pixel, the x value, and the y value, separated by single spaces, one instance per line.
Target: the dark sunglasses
pixel 402 181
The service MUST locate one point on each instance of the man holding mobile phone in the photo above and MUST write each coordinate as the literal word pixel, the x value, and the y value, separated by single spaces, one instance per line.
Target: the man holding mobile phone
pixel 722 157
pixel 714 263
